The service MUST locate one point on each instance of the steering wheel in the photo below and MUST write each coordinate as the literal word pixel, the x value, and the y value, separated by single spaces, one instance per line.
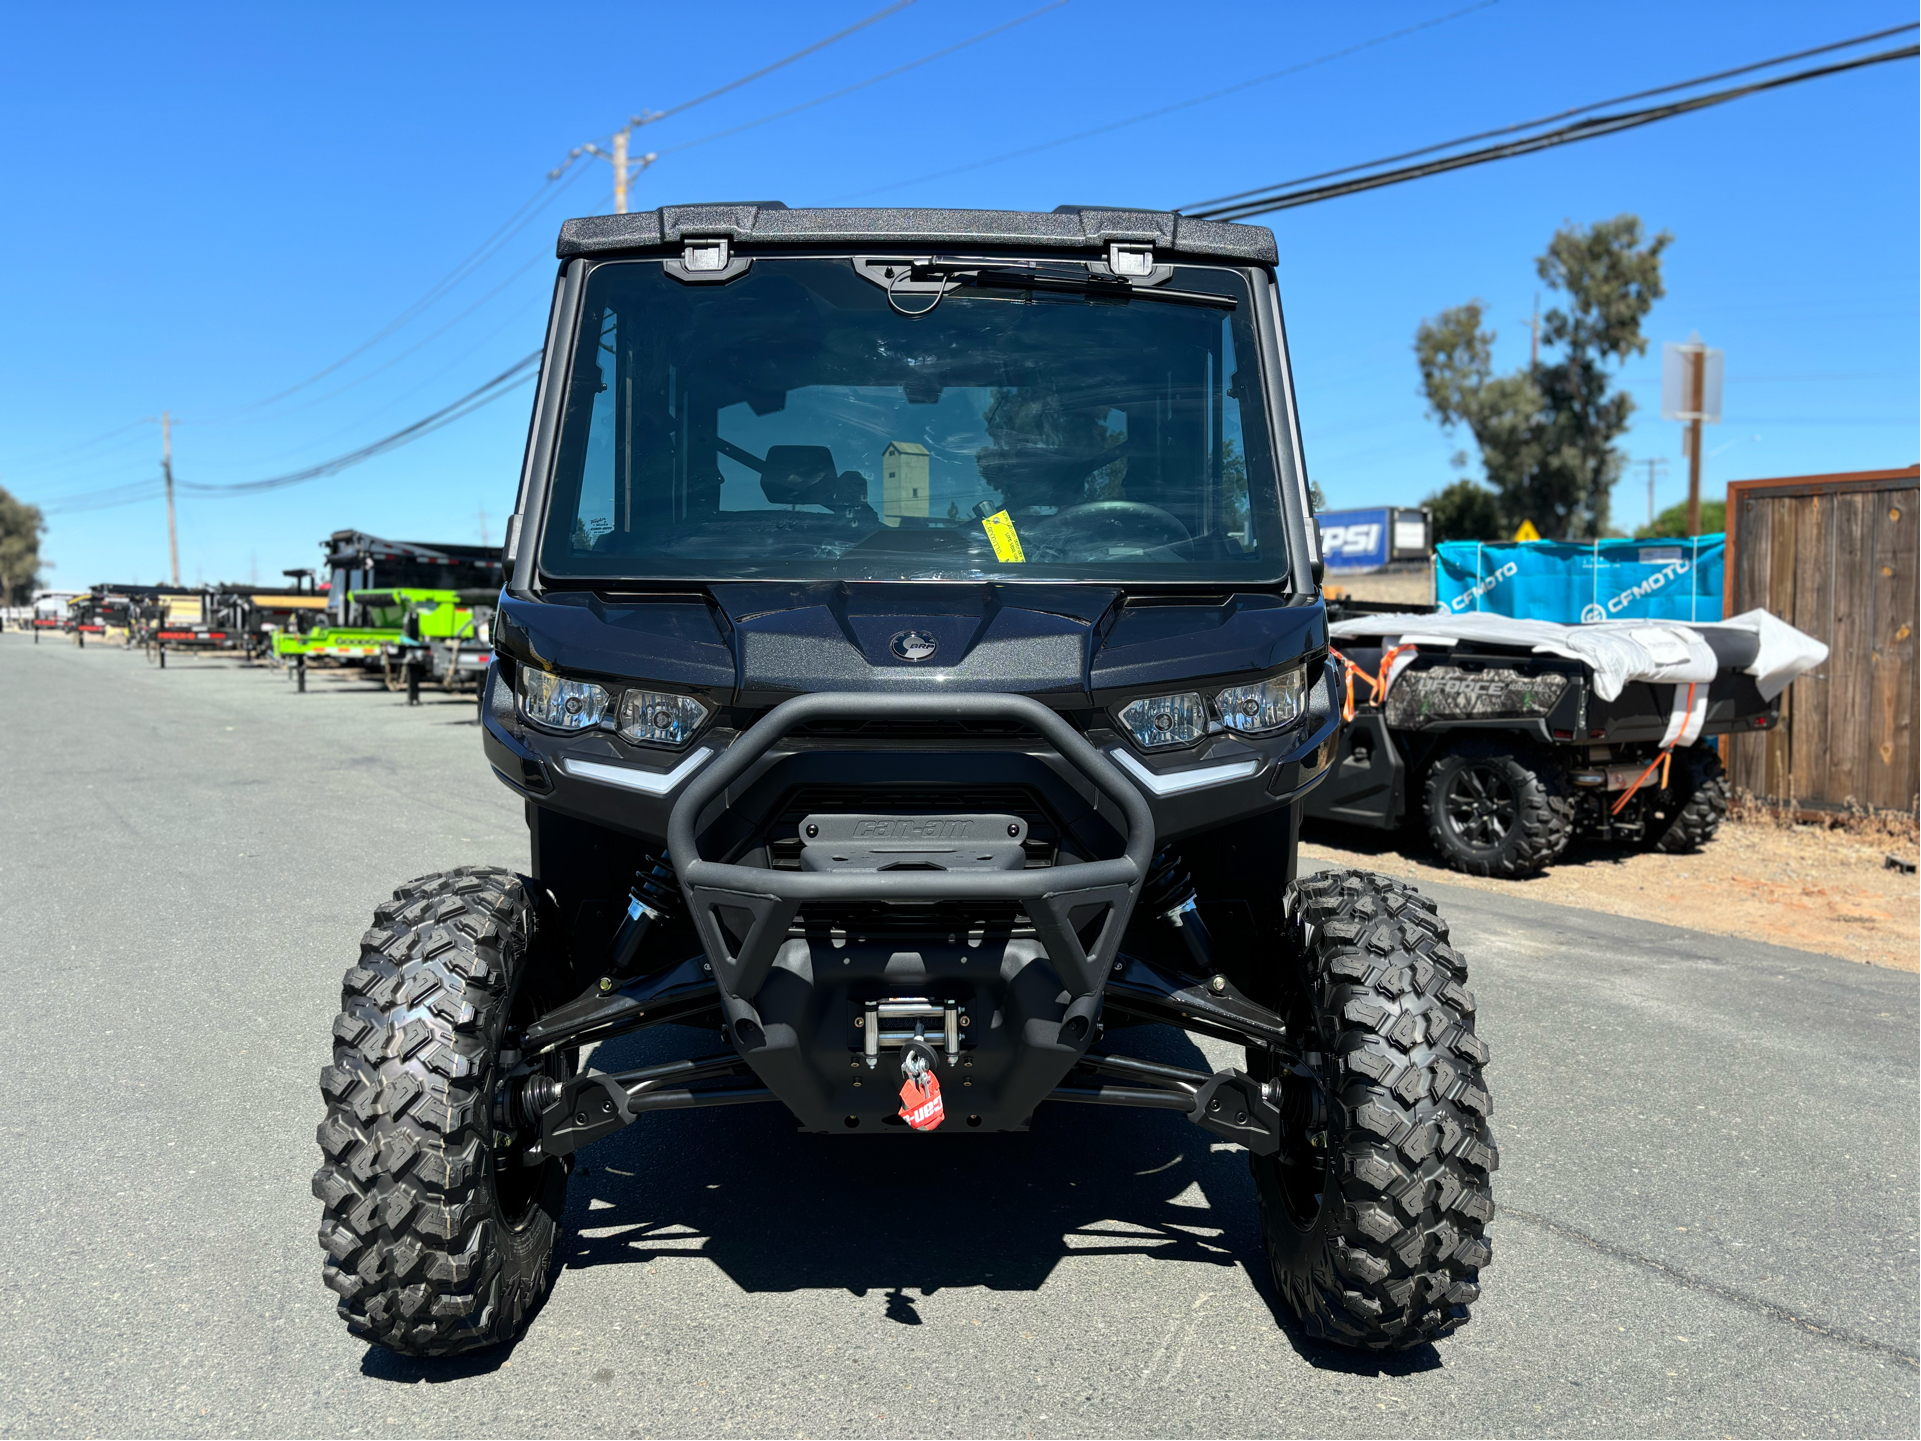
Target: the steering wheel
pixel 1109 521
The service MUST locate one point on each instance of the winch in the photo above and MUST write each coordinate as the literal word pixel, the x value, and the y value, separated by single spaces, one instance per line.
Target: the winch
pixel 890 1024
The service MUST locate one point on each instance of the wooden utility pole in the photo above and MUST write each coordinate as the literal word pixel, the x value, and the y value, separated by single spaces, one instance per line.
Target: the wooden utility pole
pixel 620 156
pixel 1534 337
pixel 1655 465
pixel 1697 372
pixel 166 470
pixel 620 171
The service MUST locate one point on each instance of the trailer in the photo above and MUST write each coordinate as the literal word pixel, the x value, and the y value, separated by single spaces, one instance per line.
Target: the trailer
pixel 51 610
pixel 372 583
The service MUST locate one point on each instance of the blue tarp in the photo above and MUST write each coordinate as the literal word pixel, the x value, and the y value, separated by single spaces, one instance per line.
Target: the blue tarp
pixel 1568 584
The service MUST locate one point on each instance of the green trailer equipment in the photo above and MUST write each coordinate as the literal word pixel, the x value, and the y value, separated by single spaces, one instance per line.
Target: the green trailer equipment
pixel 391 601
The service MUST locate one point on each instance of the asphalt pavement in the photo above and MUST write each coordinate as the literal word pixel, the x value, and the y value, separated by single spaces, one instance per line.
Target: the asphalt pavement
pixel 1707 1207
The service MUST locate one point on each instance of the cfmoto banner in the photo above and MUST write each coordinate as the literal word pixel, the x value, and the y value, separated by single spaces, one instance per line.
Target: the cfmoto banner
pixel 1569 584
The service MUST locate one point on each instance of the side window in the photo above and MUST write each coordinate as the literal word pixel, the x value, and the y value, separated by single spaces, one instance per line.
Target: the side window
pixel 1236 513
pixel 594 516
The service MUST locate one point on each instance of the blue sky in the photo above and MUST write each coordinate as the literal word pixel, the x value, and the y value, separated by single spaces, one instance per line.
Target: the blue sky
pixel 209 204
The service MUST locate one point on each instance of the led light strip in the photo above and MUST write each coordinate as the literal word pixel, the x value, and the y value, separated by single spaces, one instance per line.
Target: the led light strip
pixel 652 783
pixel 1180 782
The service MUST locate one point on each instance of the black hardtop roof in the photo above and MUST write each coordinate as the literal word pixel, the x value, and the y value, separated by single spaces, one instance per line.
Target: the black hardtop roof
pixel 768 224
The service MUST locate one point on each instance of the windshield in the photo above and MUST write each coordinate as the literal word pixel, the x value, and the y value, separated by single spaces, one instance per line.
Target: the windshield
pixel 795 424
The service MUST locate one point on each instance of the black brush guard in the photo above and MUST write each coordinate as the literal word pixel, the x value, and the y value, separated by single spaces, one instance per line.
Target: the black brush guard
pixel 799 1022
pixel 1061 901
pixel 1031 1005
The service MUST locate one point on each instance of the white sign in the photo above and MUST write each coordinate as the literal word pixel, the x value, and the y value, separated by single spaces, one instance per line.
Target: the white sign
pixel 1677 382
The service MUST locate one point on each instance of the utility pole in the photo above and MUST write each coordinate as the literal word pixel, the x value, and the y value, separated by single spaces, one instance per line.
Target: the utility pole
pixel 166 470
pixel 1534 336
pixel 1691 394
pixel 1655 464
pixel 618 155
pixel 1697 367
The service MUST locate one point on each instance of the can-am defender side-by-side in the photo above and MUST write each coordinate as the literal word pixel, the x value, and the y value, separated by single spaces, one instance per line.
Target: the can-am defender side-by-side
pixel 912 660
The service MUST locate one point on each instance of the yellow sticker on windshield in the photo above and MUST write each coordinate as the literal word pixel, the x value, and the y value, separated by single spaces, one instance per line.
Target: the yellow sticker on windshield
pixel 1003 537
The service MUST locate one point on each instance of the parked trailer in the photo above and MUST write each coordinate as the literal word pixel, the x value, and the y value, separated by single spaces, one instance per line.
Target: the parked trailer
pixel 364 571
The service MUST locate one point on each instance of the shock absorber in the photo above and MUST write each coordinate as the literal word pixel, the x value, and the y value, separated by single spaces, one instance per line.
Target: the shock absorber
pixel 1168 895
pixel 654 899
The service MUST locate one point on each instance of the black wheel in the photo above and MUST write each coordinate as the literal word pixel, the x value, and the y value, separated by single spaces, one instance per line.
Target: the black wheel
pixel 1690 810
pixel 1374 1230
pixel 439 1237
pixel 1493 811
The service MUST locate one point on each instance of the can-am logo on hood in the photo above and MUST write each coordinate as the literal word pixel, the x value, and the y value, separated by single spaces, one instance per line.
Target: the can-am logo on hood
pixel 913 645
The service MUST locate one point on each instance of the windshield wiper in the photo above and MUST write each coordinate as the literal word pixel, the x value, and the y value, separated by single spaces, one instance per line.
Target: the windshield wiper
pixel 1105 286
pixel 951 275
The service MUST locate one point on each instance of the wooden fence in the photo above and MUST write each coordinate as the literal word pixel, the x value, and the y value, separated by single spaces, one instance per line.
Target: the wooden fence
pixel 1836 556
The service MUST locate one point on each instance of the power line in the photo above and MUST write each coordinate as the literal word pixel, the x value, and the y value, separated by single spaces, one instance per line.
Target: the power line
pixel 1564 114
pixel 863 84
pixel 518 220
pixel 515 375
pixel 1179 105
pixel 877 16
pixel 1286 195
pixel 522 216
pixel 622 162
pixel 79 445
pixel 424 341
pixel 509 380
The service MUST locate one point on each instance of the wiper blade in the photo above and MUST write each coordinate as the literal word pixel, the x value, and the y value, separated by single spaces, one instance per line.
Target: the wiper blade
pixel 1106 287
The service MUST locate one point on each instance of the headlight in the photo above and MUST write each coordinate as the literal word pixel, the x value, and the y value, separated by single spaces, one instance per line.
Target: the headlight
pixel 1259 708
pixel 1165 720
pixel 659 717
pixel 1264 706
pixel 561 704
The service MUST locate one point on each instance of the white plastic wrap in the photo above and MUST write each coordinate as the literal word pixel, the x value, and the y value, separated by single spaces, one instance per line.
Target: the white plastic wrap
pixel 1616 652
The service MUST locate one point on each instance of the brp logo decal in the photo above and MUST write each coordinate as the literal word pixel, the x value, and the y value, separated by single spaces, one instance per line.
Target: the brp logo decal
pixel 914 645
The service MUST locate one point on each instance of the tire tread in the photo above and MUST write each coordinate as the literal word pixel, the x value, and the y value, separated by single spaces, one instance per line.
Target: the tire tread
pixel 408 1227
pixel 1410 1149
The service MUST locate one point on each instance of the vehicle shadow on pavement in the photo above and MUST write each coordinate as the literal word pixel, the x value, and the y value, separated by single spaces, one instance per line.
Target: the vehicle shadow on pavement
pixel 900 1217
pixel 890 1214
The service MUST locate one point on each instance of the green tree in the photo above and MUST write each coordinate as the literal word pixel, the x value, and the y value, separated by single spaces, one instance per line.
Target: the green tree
pixel 1466 510
pixel 1674 521
pixel 1546 432
pixel 21 526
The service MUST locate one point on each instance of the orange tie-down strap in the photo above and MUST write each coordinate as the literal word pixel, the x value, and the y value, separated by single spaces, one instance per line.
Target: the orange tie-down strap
pixel 1376 684
pixel 1661 760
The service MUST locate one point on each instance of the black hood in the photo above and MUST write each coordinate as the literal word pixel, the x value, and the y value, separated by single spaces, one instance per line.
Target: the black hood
pixel 754 643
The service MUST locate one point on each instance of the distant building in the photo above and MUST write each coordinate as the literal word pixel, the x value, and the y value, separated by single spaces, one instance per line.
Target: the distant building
pixel 903 481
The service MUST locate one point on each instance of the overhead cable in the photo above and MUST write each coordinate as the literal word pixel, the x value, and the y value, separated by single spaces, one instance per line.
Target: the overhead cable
pixel 1565 114
pixel 1179 105
pixel 522 216
pixel 505 383
pixel 651 116
pixel 927 59
pixel 1288 194
pixel 515 375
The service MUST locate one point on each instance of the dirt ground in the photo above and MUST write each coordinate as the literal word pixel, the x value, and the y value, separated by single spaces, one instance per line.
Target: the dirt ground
pixel 1808 887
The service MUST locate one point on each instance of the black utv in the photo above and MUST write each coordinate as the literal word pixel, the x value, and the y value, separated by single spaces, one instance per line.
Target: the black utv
pixel 912 660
